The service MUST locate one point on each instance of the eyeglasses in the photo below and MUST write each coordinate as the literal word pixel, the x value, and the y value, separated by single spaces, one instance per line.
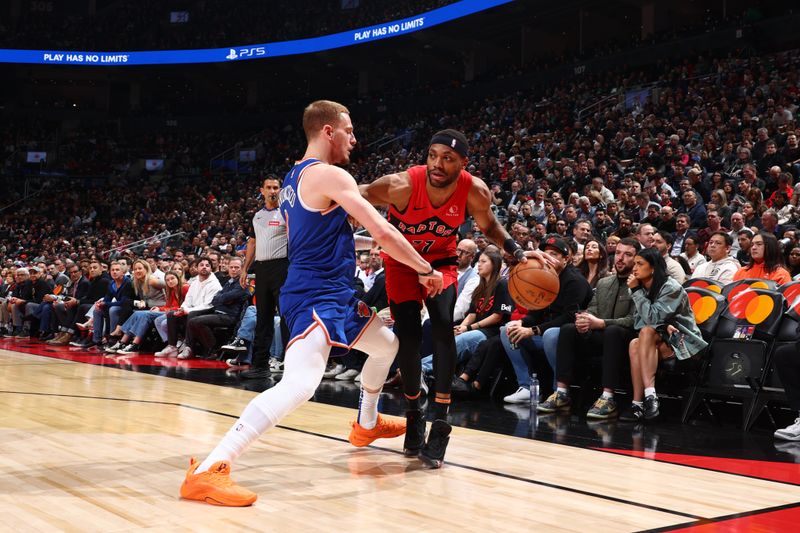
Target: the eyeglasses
pixel 463 252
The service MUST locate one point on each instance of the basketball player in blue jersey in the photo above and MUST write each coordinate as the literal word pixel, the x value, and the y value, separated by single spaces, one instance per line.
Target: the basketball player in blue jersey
pixel 318 302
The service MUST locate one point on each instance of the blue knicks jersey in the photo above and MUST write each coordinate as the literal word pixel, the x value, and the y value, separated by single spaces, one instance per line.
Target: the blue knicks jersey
pixel 321 250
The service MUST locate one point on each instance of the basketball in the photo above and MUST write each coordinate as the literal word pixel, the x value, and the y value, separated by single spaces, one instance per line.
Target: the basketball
pixel 533 285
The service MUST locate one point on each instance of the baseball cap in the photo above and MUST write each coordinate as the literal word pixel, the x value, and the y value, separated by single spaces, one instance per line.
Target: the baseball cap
pixel 556 243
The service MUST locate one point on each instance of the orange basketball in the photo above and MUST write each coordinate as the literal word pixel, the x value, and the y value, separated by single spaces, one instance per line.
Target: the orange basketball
pixel 532 285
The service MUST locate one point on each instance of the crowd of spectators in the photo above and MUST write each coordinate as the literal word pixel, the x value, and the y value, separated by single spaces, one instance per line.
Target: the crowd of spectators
pixel 712 134
pixel 703 170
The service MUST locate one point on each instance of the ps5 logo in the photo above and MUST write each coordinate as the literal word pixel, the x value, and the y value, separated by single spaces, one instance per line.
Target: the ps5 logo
pixel 243 53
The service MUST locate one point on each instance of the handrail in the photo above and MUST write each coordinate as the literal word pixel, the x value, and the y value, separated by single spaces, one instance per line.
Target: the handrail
pixel 163 236
pixel 581 112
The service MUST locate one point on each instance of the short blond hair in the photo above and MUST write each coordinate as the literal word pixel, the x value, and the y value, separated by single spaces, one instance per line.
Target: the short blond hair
pixel 321 113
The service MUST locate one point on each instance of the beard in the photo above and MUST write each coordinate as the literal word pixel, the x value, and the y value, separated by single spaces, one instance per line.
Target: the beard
pixel 449 180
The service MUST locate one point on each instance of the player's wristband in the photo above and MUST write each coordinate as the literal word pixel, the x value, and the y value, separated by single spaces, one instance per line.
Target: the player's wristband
pixel 514 249
pixel 426 274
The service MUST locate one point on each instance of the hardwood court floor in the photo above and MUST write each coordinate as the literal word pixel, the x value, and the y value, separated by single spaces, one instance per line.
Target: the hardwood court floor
pixel 93 448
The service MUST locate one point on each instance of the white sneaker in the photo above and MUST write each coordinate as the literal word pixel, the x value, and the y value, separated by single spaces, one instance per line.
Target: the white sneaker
pixel 357 379
pixel 113 349
pixel 275 366
pixel 523 395
pixel 790 433
pixel 185 353
pixel 347 375
pixel 180 345
pixel 333 372
pixel 168 351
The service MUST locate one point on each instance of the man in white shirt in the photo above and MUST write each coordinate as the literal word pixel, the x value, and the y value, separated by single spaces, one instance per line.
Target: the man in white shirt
pixel 537 206
pixel 202 289
pixel 722 266
pixel 467 278
pixel 375 268
pixel 605 194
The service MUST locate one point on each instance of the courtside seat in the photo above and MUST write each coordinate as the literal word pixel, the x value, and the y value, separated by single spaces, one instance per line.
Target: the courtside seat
pixel 789 334
pixel 730 290
pixel 682 376
pixel 738 356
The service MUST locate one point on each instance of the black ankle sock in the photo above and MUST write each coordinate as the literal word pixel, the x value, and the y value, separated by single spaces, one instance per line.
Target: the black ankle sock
pixel 413 404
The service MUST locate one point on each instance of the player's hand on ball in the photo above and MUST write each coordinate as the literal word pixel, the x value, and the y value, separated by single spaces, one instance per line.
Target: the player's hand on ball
pixel 543 257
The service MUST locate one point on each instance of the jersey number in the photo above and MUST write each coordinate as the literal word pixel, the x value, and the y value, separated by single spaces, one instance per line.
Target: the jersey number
pixel 426 247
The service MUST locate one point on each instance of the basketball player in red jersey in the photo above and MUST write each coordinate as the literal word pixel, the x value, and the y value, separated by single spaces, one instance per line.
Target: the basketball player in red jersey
pixel 427 204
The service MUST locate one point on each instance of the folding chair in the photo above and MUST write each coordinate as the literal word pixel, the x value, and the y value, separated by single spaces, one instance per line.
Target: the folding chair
pixel 736 363
pixel 707 306
pixel 789 333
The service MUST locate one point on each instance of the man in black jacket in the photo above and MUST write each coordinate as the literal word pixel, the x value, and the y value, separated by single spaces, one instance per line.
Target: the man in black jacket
pixel 98 287
pixel 524 339
pixel 65 305
pixel 59 283
pixel 25 312
pixel 227 306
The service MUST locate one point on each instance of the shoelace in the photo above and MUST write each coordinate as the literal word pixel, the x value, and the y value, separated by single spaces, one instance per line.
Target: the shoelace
pixel 221 476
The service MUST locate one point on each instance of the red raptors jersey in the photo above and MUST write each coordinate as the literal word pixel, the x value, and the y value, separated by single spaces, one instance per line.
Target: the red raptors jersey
pixel 432 230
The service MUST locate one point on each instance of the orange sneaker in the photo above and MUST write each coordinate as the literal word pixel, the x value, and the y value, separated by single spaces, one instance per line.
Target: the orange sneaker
pixel 384 429
pixel 215 486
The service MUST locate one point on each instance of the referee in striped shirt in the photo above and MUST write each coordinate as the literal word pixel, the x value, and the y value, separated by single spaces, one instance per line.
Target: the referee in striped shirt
pixel 267 245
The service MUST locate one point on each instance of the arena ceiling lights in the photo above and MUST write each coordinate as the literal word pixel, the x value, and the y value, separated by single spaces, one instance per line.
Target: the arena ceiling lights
pixel 367 34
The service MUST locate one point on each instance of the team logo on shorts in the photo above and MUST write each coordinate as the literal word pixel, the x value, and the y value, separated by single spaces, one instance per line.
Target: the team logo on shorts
pixel 364 310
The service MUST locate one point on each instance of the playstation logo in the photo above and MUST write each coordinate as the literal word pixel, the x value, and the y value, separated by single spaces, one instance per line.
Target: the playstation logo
pixel 249 52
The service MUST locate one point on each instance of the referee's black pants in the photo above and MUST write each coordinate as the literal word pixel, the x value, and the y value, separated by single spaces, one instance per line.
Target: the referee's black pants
pixel 270 276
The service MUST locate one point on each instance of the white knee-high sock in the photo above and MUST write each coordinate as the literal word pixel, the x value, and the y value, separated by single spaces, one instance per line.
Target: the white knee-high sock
pixel 381 346
pixel 304 365
pixel 368 408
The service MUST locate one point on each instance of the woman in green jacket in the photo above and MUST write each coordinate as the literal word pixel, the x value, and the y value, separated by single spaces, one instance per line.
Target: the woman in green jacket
pixel 664 319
